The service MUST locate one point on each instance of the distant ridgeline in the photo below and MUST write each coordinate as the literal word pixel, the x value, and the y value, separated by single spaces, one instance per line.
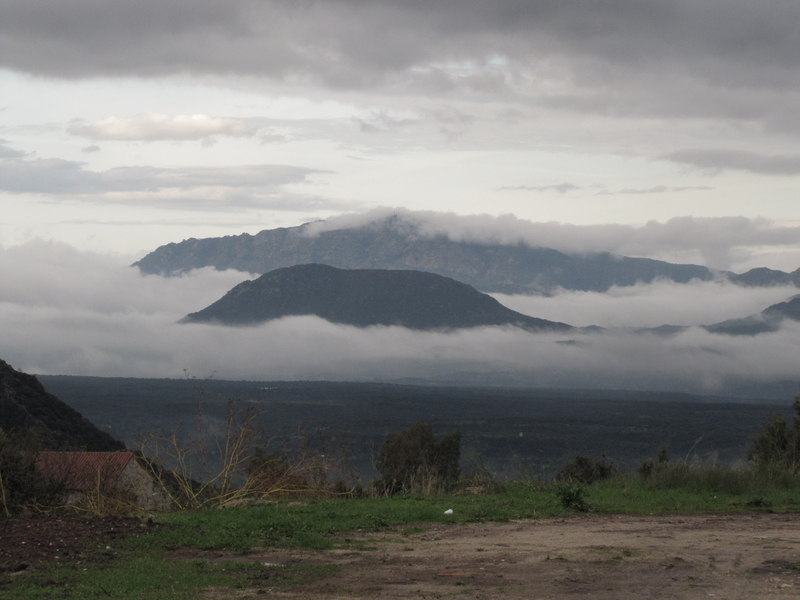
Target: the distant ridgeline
pixel 395 244
pixel 766 321
pixel 364 297
pixel 26 406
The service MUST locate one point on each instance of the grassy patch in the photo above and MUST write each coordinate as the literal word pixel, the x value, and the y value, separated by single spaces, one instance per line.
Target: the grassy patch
pixel 313 525
pixel 703 489
pixel 147 576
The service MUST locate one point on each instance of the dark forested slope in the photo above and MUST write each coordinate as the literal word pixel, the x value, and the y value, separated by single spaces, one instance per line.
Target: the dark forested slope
pixel 364 297
pixel 25 405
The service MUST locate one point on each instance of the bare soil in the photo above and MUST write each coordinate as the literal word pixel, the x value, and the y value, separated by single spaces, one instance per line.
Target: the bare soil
pixel 741 556
pixel 28 540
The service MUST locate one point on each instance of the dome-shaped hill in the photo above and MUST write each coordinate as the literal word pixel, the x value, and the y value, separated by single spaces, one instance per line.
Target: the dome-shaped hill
pixel 364 297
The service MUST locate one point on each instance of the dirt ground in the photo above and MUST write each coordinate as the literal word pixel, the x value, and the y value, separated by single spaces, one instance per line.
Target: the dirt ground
pixel 748 556
pixel 743 556
pixel 27 540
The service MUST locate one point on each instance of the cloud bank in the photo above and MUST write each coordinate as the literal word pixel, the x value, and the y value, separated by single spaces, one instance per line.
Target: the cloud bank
pixel 191 188
pixel 66 312
pixel 717 242
pixel 651 305
pixel 665 57
pixel 715 160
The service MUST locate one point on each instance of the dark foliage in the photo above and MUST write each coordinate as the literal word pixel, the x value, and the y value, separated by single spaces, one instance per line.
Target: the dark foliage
pixel 573 495
pixel 412 460
pixel 650 466
pixel 21 484
pixel 25 405
pixel 777 444
pixel 585 469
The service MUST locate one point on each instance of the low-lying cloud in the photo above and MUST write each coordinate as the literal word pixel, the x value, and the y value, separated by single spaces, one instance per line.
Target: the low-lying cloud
pixel 717 242
pixel 651 305
pixel 66 312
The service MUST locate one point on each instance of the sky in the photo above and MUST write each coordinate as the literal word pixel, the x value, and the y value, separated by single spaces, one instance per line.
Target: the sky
pixel 125 126
pixel 658 128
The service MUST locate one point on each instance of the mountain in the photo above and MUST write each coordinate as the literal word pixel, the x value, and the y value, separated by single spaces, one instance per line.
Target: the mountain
pixel 25 405
pixel 763 277
pixel 364 297
pixel 395 244
pixel 766 321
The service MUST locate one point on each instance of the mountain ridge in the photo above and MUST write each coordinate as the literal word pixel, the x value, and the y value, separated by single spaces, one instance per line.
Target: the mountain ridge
pixel 393 244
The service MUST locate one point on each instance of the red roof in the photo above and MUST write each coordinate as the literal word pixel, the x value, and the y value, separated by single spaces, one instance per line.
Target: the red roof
pixel 82 471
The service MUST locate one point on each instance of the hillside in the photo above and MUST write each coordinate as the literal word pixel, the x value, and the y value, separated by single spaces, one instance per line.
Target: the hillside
pixel 394 244
pixel 766 321
pixel 364 297
pixel 26 405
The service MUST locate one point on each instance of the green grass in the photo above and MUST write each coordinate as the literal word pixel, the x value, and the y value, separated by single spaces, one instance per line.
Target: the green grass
pixel 148 576
pixel 144 568
pixel 153 576
pixel 311 525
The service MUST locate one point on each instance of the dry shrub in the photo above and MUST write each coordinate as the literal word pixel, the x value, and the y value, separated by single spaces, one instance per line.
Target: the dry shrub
pixel 309 465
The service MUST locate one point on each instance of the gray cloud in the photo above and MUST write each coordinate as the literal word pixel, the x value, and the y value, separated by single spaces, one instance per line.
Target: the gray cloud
pixel 92 148
pixel 64 311
pixel 717 242
pixel 716 160
pixel 190 187
pixel 6 152
pixel 627 57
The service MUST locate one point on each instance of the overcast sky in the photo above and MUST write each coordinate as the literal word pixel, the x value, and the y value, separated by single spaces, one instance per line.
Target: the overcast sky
pixel 661 128
pixel 126 125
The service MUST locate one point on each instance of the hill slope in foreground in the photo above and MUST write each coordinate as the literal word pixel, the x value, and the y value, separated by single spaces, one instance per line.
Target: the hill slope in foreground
pixel 364 297
pixel 25 405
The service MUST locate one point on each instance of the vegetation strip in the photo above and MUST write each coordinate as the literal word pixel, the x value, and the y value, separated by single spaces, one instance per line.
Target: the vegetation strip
pixel 142 564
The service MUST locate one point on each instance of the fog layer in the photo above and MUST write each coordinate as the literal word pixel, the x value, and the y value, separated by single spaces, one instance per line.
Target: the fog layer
pixel 66 312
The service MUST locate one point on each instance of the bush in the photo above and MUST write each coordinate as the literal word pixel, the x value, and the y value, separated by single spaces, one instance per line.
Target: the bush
pixel 585 469
pixel 650 466
pixel 573 496
pixel 22 485
pixel 413 461
pixel 270 472
pixel 777 444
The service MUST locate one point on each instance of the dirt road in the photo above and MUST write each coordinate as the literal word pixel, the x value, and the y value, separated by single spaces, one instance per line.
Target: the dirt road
pixel 749 556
